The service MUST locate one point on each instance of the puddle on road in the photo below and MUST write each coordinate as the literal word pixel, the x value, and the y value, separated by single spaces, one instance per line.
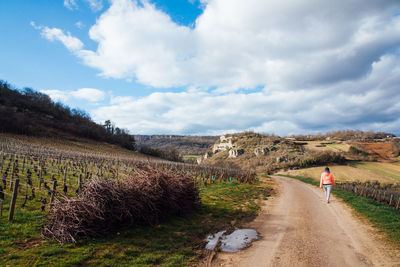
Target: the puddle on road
pixel 213 240
pixel 237 240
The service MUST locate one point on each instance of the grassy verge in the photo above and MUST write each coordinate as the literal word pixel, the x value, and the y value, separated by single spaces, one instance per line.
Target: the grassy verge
pixel 378 169
pixel 176 242
pixel 383 217
pixel 190 158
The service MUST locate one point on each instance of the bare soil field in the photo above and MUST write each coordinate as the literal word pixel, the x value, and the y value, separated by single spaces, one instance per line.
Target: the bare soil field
pixel 327 146
pixel 378 150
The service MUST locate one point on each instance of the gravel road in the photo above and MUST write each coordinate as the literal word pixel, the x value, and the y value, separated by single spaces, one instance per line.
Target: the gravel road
pixel 298 228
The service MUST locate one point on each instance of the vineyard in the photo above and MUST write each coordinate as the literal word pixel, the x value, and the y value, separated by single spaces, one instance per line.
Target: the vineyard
pixel 388 194
pixel 34 176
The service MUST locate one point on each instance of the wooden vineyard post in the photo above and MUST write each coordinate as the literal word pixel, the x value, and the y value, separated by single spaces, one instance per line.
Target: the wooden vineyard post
pixel 391 199
pixel 65 180
pixel 117 173
pixel 40 178
pixel 23 165
pixel 2 161
pixel 79 189
pixel 53 191
pixel 398 204
pixel 13 200
pixel 12 181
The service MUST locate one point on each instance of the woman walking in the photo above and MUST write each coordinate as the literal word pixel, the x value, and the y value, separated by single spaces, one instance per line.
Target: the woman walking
pixel 327 181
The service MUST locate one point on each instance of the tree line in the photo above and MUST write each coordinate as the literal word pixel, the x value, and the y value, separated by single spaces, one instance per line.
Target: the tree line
pixel 170 154
pixel 345 135
pixel 29 112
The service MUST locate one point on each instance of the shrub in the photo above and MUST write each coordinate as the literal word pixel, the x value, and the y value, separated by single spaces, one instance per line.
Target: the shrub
pixel 356 151
pixel 396 147
pixel 148 196
pixel 169 154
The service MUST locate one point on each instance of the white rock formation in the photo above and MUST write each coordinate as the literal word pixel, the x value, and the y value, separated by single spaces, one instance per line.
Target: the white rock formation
pixel 225 144
pixel 234 153
pixel 261 151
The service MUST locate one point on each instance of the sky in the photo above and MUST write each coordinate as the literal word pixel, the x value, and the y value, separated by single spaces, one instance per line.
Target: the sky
pixel 209 67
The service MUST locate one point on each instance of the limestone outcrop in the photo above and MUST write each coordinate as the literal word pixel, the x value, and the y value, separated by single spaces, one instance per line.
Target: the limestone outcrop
pixel 261 151
pixel 224 144
pixel 234 153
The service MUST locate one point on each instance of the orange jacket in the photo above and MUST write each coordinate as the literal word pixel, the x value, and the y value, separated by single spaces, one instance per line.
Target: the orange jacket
pixel 327 178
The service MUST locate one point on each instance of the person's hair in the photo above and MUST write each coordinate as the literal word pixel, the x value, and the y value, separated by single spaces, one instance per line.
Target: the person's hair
pixel 327 169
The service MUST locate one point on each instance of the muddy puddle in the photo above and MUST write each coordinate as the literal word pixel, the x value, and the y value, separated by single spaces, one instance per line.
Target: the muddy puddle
pixel 233 242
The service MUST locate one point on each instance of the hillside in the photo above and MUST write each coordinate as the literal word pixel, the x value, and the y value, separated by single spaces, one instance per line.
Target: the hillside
pixel 32 113
pixel 138 213
pixel 384 172
pixel 269 153
pixel 185 145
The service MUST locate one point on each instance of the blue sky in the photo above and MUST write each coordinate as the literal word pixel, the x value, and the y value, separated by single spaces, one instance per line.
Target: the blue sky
pixel 211 66
pixel 33 61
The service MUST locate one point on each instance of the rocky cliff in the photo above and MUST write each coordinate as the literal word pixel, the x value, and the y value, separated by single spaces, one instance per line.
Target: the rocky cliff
pixel 263 153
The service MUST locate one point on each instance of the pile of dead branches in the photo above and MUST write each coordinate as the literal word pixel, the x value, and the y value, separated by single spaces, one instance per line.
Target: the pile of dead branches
pixel 105 206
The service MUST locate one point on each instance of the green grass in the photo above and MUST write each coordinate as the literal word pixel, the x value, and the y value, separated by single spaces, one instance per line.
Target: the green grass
pixel 385 218
pixel 392 174
pixel 176 242
pixel 338 147
pixel 189 157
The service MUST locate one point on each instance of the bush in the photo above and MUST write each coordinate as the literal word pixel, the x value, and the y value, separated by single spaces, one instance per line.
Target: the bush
pixel 396 147
pixel 169 154
pixel 356 151
pixel 104 206
pixel 305 161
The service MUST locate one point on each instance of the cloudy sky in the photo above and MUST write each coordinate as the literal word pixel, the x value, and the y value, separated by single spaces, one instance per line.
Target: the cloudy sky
pixel 211 66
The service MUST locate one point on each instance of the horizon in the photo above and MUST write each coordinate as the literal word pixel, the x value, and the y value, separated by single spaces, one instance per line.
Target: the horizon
pixel 211 67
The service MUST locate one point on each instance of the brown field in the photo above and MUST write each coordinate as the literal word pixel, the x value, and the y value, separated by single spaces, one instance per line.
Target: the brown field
pixel 378 150
pixel 326 146
pixel 383 172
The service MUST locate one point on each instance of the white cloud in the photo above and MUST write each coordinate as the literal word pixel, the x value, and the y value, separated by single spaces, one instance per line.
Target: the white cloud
pixel 88 94
pixel 57 95
pixel 240 44
pixel 95 5
pixel 322 64
pixel 71 43
pixel 344 105
pixel 33 24
pixel 70 4
pixel 79 25
pixel 154 43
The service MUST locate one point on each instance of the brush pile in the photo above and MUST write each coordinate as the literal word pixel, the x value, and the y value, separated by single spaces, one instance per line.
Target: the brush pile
pixel 104 206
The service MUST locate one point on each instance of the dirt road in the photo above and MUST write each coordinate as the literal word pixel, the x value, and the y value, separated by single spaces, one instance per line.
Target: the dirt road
pixel 299 228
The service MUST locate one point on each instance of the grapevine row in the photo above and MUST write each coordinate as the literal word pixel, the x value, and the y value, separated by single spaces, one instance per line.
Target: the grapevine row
pixel 41 173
